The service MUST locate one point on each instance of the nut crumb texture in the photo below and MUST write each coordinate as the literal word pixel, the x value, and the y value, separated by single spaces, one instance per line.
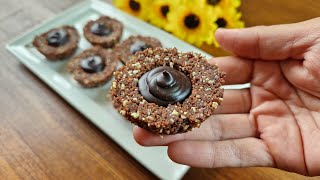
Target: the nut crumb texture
pixel 206 94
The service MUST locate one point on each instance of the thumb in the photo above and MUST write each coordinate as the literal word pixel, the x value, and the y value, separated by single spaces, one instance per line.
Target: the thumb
pixel 276 42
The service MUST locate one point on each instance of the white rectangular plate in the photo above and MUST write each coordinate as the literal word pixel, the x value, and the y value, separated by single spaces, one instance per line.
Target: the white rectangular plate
pixel 92 102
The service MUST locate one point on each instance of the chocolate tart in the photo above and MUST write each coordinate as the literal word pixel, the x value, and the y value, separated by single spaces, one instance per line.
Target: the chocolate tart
pixel 57 43
pixel 166 91
pixel 105 32
pixel 93 67
pixel 127 48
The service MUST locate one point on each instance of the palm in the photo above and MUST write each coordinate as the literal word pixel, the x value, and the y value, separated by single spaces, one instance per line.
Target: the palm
pixel 289 145
pixel 275 122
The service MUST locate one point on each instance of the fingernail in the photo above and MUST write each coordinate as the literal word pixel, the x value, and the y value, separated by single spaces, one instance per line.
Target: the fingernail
pixel 221 31
pixel 224 30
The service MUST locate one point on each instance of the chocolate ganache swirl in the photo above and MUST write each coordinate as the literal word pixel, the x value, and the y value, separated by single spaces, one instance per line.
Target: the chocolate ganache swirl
pixel 57 37
pixel 92 64
pixel 100 29
pixel 164 85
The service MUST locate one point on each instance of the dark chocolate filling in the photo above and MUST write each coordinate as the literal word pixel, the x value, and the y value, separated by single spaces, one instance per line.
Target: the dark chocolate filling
pixel 100 29
pixel 58 37
pixel 164 85
pixel 191 21
pixel 92 64
pixel 138 46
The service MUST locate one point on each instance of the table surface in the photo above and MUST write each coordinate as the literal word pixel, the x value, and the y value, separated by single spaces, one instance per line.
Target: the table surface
pixel 43 137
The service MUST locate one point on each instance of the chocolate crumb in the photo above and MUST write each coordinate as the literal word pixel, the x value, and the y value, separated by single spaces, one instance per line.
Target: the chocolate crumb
pixel 177 117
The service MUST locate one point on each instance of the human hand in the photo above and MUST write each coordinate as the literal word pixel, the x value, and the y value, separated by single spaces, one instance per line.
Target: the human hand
pixel 275 122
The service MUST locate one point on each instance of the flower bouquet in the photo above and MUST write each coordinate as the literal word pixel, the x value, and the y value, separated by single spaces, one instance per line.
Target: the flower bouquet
pixel 194 21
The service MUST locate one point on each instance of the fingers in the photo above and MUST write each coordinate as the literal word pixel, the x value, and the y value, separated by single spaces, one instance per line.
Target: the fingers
pixel 239 71
pixel 217 127
pixel 276 42
pixel 213 154
pixel 235 101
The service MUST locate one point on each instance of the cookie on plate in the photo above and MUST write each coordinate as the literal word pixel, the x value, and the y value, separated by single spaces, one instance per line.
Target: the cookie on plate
pixel 57 43
pixel 105 31
pixel 166 91
pixel 93 67
pixel 127 48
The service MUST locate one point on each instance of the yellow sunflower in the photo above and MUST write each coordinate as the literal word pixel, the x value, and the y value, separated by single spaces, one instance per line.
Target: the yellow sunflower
pixel 158 12
pixel 229 18
pixel 192 22
pixel 223 3
pixel 134 7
